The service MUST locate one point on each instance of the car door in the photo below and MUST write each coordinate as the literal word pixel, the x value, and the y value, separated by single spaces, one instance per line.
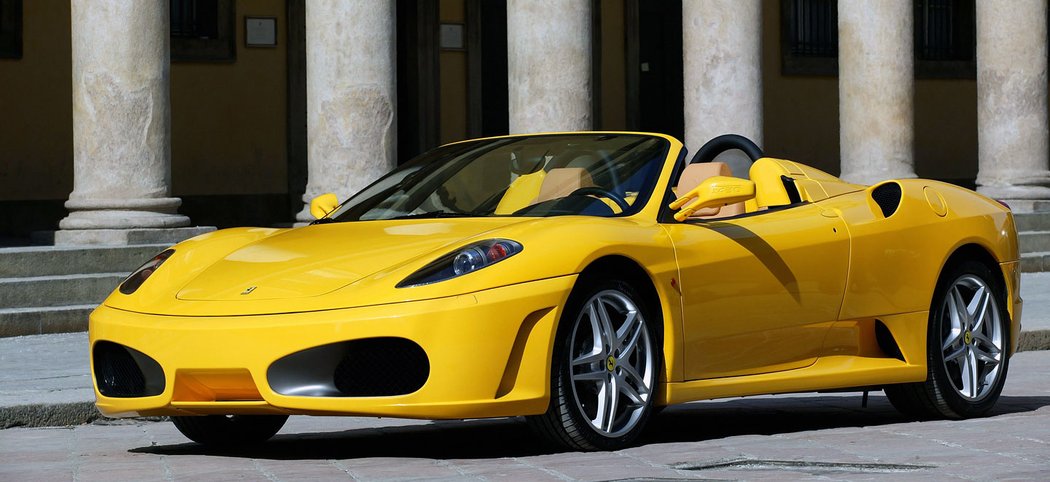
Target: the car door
pixel 759 291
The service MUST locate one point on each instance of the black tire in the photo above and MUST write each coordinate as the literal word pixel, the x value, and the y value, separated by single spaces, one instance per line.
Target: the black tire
pixel 984 346
pixel 567 422
pixel 229 430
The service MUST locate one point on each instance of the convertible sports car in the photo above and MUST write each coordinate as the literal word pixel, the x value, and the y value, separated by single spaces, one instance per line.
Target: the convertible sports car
pixel 581 280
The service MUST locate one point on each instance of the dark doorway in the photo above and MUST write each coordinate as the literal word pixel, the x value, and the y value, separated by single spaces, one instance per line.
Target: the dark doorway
pixel 487 44
pixel 418 79
pixel 654 67
pixel 419 73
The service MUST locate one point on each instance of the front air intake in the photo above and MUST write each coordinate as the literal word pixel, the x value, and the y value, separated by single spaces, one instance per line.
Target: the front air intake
pixel 370 367
pixel 122 372
pixel 888 197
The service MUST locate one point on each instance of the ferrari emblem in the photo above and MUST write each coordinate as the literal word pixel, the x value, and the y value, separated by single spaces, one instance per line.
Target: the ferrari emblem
pixel 248 290
pixel 968 338
pixel 610 363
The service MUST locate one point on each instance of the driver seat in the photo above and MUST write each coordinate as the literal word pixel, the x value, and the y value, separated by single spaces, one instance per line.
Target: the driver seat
pixel 693 175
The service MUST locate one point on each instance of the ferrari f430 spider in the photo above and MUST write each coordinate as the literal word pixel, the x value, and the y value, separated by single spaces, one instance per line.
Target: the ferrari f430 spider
pixel 581 280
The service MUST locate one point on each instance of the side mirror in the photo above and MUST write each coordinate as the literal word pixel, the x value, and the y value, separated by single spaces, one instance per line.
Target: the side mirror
pixel 323 205
pixel 714 191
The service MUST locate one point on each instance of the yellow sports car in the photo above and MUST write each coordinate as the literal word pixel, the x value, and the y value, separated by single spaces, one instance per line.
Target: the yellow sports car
pixel 580 280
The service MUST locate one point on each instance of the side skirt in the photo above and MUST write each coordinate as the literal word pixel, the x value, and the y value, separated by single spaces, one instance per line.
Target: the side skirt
pixel 838 366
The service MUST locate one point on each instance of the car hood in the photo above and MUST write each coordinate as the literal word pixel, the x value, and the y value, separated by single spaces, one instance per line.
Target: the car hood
pixel 319 259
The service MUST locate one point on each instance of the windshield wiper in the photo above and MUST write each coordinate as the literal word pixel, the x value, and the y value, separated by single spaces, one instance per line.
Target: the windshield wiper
pixel 435 214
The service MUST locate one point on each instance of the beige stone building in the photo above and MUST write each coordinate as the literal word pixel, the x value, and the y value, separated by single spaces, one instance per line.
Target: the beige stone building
pixel 131 114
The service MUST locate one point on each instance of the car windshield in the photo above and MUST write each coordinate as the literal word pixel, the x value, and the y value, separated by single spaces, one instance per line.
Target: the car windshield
pixel 548 175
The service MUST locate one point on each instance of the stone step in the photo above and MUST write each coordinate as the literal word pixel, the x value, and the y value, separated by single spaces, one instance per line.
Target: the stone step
pixel 1035 262
pixel 40 321
pixel 1028 206
pixel 1032 222
pixel 60 290
pixel 52 261
pixel 1034 241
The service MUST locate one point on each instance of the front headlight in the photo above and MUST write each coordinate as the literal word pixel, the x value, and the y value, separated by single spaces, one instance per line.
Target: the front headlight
pixel 462 261
pixel 139 276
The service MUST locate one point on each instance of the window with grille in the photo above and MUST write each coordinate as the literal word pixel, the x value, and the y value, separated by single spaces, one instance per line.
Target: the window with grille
pixel 814 29
pixel 203 31
pixel 945 31
pixel 10 29
pixel 195 18
pixel 809 37
pixel 944 37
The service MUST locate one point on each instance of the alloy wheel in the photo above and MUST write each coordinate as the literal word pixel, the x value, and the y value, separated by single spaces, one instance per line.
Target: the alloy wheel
pixel 972 337
pixel 611 363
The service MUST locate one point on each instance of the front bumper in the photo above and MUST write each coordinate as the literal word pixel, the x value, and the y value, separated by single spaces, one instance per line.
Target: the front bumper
pixel 489 355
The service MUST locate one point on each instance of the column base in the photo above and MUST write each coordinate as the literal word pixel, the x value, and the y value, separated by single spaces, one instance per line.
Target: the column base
pixel 127 237
pixel 870 178
pixel 1022 195
pixel 132 213
pixel 303 217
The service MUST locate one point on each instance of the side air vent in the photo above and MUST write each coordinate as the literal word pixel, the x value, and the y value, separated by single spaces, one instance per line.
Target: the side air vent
pixel 888 197
pixel 886 342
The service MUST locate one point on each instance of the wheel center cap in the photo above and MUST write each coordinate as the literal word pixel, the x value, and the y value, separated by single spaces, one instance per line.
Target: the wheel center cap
pixel 968 338
pixel 610 363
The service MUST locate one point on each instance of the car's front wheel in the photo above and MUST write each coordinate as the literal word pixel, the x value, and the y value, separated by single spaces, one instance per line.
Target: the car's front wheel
pixel 229 430
pixel 967 348
pixel 605 369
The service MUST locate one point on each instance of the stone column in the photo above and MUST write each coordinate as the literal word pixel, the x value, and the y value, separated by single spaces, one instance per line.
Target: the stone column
pixel 121 124
pixel 876 83
pixel 350 96
pixel 722 56
pixel 549 65
pixel 1011 100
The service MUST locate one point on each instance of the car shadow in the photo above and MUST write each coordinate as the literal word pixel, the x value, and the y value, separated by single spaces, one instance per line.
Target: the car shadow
pixel 511 437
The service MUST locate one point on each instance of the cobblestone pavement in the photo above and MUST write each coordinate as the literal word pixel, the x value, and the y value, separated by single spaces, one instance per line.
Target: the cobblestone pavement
pixel 818 436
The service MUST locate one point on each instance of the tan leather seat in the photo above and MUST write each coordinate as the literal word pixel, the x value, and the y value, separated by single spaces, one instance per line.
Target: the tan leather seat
pixel 562 181
pixel 693 175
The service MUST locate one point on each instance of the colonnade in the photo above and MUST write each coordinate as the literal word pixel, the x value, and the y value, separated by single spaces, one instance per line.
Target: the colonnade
pixel 121 105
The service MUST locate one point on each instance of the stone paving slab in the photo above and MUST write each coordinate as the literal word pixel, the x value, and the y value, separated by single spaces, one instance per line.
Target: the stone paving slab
pixel 798 437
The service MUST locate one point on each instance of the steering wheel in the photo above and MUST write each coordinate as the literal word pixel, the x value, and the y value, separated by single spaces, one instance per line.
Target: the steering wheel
pixel 725 142
pixel 601 192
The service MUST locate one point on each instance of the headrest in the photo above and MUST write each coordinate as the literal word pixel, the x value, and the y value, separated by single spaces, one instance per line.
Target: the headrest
pixel 527 159
pixel 694 174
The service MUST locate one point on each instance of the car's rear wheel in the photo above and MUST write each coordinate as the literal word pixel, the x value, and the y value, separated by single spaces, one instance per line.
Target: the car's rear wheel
pixel 229 430
pixel 967 346
pixel 604 372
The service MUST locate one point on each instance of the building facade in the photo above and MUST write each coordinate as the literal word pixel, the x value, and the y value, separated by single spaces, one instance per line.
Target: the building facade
pixel 164 114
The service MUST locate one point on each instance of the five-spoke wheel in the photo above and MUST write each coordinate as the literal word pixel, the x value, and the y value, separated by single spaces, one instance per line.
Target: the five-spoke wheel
pixel 612 363
pixel 604 371
pixel 967 347
pixel 972 334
